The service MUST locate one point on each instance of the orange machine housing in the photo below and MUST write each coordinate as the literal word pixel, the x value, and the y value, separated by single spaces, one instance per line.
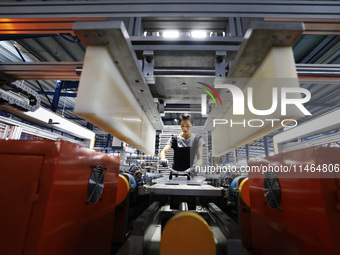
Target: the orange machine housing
pixel 309 219
pixel 44 194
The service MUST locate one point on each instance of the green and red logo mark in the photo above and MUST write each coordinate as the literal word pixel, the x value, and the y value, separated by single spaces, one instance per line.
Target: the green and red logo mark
pixel 209 93
pixel 204 97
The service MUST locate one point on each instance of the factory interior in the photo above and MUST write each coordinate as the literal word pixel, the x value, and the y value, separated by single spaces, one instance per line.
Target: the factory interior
pixel 91 92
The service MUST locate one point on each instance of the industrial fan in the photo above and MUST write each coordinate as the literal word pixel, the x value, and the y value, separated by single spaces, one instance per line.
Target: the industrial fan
pixel 272 190
pixel 96 185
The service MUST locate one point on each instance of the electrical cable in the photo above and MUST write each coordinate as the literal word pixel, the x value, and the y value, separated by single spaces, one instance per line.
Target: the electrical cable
pixel 67 39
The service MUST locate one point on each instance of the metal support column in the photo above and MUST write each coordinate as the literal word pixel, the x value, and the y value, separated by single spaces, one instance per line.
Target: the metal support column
pixel 235 27
pixel 247 151
pixel 239 27
pixel 138 29
pixel 131 25
pixel 232 27
pixel 148 66
pixel 235 155
pixel 220 66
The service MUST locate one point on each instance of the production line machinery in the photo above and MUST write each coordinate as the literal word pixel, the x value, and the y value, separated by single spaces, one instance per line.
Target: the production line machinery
pixel 62 198
pixel 56 198
pixel 162 230
pixel 276 212
pixel 178 207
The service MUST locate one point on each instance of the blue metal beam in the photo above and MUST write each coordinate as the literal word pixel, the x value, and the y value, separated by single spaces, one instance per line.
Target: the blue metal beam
pixel 108 142
pixel 57 92
pixel 320 104
pixel 64 94
pixel 70 84
pixel 89 126
pixel 75 118
pixel 265 143
pixel 44 92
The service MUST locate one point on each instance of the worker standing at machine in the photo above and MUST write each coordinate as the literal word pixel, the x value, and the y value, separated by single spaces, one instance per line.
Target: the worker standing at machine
pixel 187 146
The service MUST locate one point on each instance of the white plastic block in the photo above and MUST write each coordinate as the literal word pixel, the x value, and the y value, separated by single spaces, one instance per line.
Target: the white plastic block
pixel 276 71
pixel 105 99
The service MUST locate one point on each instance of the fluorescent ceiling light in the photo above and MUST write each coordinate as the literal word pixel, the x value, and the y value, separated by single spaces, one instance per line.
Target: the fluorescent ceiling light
pixel 198 34
pixel 171 34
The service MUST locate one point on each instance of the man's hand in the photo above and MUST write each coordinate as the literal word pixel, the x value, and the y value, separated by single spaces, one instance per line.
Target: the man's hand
pixel 163 162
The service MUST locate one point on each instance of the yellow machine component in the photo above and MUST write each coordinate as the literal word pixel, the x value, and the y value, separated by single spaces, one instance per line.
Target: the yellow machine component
pixel 187 233
pixel 123 189
pixel 243 190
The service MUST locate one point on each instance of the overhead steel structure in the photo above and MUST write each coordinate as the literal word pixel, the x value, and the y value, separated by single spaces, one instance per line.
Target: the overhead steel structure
pixel 173 8
pixel 168 66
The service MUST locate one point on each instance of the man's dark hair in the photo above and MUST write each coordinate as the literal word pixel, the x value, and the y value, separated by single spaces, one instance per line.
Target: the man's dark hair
pixel 185 117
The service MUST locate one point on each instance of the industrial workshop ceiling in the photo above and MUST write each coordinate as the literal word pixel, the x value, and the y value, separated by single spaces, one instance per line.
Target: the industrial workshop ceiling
pixel 170 63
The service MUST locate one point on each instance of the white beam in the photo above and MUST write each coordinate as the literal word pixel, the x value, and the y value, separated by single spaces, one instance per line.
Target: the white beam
pixel 40 132
pixel 321 124
pixel 43 117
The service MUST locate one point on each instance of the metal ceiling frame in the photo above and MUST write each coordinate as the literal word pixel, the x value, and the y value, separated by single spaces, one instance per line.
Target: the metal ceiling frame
pixel 314 26
pixel 326 12
pixel 40 25
pixel 71 71
pixel 172 8
pixel 98 33
pixel 42 70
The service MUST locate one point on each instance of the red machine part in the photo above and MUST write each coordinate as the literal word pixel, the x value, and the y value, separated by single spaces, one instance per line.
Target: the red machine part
pixel 43 199
pixel 308 221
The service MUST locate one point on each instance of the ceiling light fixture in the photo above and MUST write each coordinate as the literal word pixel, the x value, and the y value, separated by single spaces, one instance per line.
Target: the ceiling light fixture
pixel 198 34
pixel 171 34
